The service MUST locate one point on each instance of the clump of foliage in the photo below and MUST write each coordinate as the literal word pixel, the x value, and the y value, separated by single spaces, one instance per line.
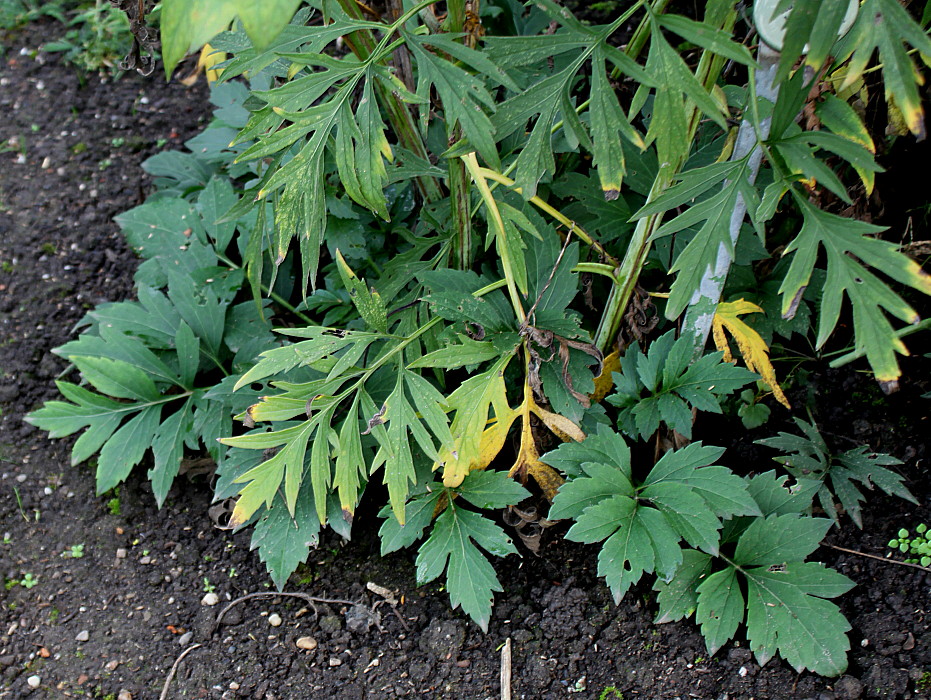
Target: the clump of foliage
pixel 96 34
pixel 919 546
pixel 808 457
pixel 426 220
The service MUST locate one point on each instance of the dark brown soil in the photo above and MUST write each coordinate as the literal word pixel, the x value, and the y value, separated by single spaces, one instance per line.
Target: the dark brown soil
pixel 116 619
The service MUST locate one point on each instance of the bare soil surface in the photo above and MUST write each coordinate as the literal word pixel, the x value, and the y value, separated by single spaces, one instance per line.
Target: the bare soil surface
pixel 113 622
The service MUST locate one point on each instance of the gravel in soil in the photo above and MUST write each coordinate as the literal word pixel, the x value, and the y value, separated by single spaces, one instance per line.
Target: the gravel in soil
pixel 103 592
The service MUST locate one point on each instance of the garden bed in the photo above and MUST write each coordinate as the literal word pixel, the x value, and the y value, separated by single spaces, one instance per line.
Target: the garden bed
pixel 104 593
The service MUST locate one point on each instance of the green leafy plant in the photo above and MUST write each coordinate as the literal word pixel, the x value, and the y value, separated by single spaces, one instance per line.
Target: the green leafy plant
pixel 28 581
pixel 463 228
pixel 808 456
pixel 97 37
pixel 674 386
pixel 76 551
pixel 752 413
pixel 919 546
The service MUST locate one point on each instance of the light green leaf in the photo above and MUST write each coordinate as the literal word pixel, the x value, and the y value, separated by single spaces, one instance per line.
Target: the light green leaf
pixel 282 540
pixel 117 378
pixel 168 449
pixel 465 352
pixel 779 539
pixel 489 489
pixel 125 449
pixel 849 247
pixel 677 599
pixel 186 25
pixel 720 608
pixel 783 614
pixel 470 579
pixel 418 514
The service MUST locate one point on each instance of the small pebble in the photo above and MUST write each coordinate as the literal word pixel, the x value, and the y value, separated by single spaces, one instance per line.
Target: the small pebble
pixel 124 695
pixel 210 599
pixel 33 681
pixel 145 560
pixel 112 665
pixel 185 638
pixel 274 620
pixel 121 553
pixel 308 643
pixel 234 685
pixel 20 478
pixel 335 661
pixel 82 636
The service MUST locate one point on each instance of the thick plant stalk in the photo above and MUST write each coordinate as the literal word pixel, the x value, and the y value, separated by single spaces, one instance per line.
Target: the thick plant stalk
pixel 626 276
pixel 460 184
pixel 700 313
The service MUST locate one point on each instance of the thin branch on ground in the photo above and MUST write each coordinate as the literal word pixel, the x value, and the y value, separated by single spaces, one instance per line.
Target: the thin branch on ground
pixel 174 669
pixel 878 558
pixel 272 594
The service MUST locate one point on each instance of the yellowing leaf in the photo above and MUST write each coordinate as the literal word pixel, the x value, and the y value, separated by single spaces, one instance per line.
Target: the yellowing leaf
pixel 472 402
pixel 528 463
pixel 209 57
pixel 604 382
pixel 562 427
pixel 528 457
pixel 753 348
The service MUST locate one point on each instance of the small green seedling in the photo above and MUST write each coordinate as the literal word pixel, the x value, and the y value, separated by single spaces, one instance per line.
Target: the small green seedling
pixel 208 587
pixel 76 551
pixel 919 547
pixel 113 505
pixel 28 581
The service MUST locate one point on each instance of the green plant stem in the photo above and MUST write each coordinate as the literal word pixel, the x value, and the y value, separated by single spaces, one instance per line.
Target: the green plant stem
pixel 460 186
pixel 596 268
pixel 471 162
pixel 709 67
pixel 278 299
pixel 541 204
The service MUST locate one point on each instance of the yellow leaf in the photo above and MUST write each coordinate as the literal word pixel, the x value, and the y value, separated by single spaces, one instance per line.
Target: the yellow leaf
pixel 209 57
pixel 753 348
pixel 528 457
pixel 604 382
pixel 562 427
pixel 472 402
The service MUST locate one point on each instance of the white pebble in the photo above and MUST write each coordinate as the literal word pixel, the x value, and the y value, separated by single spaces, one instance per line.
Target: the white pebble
pixel 274 620
pixel 124 695
pixel 20 478
pixel 82 636
pixel 308 643
pixel 210 599
pixel 742 672
pixel 335 661
pixel 33 681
